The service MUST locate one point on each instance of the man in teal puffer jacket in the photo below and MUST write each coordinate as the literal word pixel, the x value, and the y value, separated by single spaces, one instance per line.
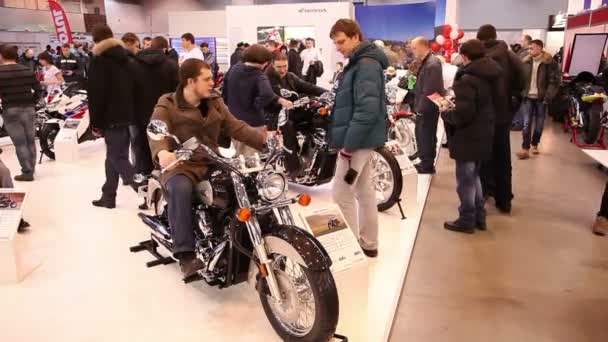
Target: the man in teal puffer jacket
pixel 358 126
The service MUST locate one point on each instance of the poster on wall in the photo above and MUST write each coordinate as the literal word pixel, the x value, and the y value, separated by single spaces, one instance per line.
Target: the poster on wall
pixel 284 34
pixel 266 33
pixel 176 43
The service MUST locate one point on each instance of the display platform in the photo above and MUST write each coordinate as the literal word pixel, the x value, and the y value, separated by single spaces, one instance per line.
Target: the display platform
pixel 90 287
pixel 600 156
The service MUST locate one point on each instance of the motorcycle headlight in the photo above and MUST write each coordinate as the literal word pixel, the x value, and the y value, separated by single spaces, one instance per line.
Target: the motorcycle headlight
pixel 271 185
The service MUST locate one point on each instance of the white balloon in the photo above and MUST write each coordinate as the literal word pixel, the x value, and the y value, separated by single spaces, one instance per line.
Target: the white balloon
pixel 454 35
pixel 440 39
pixel 455 28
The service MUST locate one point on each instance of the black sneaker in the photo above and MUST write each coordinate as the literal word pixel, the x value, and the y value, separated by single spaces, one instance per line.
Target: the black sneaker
pixel 425 170
pixel 482 225
pixel 457 226
pixel 504 208
pixel 370 253
pixel 105 203
pixel 23 226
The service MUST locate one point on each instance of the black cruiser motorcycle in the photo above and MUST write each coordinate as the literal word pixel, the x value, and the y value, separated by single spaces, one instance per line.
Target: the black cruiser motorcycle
pixel 245 232
pixel 319 159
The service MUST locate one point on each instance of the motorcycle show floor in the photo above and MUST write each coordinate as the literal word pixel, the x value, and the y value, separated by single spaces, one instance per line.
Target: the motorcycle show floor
pixel 89 287
pixel 537 275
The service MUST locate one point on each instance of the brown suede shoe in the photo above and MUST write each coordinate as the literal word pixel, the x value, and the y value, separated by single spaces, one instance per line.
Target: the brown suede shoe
pixel 191 267
pixel 523 154
pixel 600 226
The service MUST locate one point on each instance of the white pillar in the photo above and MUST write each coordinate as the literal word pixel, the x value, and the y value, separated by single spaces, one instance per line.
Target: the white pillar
pixel 451 12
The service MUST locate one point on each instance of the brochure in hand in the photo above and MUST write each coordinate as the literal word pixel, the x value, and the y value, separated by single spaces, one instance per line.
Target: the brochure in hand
pixel 444 103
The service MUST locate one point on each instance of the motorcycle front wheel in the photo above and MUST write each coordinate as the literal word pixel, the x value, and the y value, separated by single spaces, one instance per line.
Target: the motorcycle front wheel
pixel 594 124
pixel 387 178
pixel 309 309
pixel 47 140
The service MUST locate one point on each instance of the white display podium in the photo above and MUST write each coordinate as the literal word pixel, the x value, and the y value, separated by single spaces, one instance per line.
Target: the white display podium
pixel 66 142
pixel 15 263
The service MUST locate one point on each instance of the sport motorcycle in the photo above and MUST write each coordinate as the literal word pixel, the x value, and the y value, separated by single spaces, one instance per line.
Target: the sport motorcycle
pixel 319 159
pixel 64 108
pixel 402 123
pixel 587 111
pixel 245 232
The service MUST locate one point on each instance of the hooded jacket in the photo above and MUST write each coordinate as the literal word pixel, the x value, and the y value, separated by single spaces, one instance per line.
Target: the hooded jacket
pixel 359 117
pixel 155 75
pixel 547 80
pixel 247 92
pixel 111 85
pixel 513 79
pixel 205 123
pixel 470 127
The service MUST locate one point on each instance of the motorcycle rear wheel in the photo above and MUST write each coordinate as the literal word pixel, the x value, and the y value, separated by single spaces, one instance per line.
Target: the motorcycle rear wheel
pixel 47 140
pixel 594 124
pixel 309 311
pixel 386 172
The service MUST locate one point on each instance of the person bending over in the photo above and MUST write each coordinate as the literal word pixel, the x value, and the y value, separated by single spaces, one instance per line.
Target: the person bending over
pixel 280 78
pixel 248 93
pixel 358 126
pixel 194 110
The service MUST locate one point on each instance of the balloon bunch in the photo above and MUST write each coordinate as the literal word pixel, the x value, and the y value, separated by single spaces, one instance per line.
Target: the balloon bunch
pixel 448 41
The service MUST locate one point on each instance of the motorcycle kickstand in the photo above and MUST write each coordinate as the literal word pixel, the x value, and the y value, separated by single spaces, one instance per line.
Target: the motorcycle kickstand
pixel 41 156
pixel 401 209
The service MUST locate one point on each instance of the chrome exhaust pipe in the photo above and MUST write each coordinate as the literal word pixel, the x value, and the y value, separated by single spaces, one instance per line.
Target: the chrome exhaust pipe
pixel 156 226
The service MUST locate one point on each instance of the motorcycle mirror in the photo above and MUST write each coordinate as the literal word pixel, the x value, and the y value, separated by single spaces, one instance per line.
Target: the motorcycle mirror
pixel 157 130
pixel 288 93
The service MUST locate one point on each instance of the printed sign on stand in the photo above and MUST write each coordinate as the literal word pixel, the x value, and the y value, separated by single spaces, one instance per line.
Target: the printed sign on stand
pixel 66 142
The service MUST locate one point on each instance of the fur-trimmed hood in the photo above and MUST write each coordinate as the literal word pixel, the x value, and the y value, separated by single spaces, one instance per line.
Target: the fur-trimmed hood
pixel 545 58
pixel 110 47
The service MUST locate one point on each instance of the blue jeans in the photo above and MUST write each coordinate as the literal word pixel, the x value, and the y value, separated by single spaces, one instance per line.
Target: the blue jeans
pixel 533 110
pixel 468 186
pixel 19 124
pixel 180 190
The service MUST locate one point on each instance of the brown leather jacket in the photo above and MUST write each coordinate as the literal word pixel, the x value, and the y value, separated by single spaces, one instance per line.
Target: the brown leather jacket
pixel 186 121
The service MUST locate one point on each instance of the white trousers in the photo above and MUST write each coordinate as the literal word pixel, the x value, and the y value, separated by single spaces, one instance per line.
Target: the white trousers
pixel 358 201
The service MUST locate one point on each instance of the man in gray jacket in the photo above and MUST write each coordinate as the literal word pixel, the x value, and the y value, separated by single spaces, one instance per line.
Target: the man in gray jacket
pixel 430 81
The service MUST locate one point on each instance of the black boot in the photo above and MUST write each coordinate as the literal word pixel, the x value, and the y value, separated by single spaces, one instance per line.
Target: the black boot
pixel 105 203
pixel 457 226
pixel 23 226
pixel 189 264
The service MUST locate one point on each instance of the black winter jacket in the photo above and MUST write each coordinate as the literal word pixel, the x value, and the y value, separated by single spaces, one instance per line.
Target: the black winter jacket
pixel 18 86
pixel 236 57
pixel 295 62
pixel 155 75
pixel 293 83
pixel 247 92
pixel 111 85
pixel 513 79
pixel 429 81
pixel 71 65
pixel 470 127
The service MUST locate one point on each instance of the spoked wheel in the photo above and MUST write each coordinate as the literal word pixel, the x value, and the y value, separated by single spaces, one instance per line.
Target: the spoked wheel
pixel 308 310
pixel 47 140
pixel 404 133
pixel 387 178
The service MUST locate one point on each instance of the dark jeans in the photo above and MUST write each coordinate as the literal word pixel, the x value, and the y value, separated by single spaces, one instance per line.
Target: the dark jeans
pixel 533 110
pixel 604 208
pixel 471 210
pixel 180 189
pixel 518 119
pixel 19 124
pixel 496 173
pixel 117 160
pixel 426 137
pixel 141 150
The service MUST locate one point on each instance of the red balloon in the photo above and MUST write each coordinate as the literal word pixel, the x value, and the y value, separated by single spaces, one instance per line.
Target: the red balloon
pixel 435 47
pixel 448 44
pixel 460 34
pixel 447 29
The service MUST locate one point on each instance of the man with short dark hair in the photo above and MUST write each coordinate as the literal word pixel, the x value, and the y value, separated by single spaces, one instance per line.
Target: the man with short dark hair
pixel 429 81
pixel 542 75
pixel 192 51
pixel 111 107
pixel 70 65
pixel 358 126
pixel 526 39
pixel 147 43
pixel 155 74
pixel 131 43
pixel 19 92
pixel 29 60
pixel 247 90
pixel 496 177
pixel 294 59
pixel 470 131
pixel 210 59
pixel 193 110
pixel 237 55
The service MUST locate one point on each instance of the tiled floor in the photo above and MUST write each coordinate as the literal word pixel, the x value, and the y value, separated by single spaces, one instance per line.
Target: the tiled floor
pixel 537 275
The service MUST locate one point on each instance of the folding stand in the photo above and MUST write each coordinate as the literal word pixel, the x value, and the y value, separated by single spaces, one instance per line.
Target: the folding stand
pixel 341 337
pixel 151 246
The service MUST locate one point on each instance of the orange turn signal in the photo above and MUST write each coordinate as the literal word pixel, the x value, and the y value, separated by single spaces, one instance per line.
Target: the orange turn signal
pixel 244 214
pixel 304 200
pixel 323 111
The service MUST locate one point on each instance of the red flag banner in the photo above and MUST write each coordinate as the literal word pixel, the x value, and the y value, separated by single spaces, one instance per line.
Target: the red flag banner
pixel 60 19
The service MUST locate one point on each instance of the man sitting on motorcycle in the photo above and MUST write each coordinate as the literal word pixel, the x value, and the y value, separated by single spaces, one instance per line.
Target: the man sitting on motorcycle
pixel 281 78
pixel 194 110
